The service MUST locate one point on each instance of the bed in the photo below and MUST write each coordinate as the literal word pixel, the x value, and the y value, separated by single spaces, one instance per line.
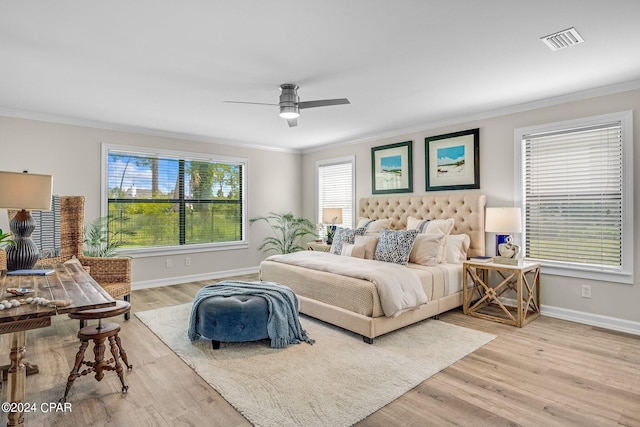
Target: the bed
pixel 354 303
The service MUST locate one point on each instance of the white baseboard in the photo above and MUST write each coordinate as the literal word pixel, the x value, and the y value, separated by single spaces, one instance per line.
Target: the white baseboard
pixel 591 319
pixel 598 320
pixel 156 283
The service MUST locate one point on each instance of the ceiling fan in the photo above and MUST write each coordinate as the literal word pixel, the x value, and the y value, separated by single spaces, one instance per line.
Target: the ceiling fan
pixel 290 104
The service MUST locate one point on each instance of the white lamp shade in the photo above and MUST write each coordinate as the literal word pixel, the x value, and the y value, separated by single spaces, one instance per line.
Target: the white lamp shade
pixel 332 215
pixel 503 220
pixel 25 191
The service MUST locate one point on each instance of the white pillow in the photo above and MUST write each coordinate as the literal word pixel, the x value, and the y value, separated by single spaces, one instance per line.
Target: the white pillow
pixel 428 249
pixel 373 226
pixel 457 248
pixel 370 243
pixel 350 249
pixel 443 226
pixel 417 224
pixel 363 222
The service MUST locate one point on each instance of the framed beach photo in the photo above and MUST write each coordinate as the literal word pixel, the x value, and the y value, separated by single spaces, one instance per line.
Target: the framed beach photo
pixel 392 168
pixel 453 161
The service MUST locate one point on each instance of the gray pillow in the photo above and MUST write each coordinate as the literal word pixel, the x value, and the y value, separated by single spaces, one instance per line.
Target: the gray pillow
pixel 342 236
pixel 395 246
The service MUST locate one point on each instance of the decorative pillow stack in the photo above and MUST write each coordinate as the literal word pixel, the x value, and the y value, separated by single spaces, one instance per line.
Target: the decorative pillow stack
pixel 426 242
pixel 342 236
pixel 395 246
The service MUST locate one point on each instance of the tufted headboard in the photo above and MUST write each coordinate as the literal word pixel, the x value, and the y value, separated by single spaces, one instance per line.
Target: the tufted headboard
pixel 466 208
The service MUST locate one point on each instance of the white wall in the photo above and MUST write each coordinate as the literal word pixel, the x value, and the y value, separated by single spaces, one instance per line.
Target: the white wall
pixel 611 302
pixel 72 155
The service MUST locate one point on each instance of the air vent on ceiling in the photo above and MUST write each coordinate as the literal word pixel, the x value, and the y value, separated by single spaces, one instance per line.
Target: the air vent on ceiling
pixel 562 39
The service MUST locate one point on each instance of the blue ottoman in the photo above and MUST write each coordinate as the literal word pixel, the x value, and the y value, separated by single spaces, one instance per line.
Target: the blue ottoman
pixel 232 319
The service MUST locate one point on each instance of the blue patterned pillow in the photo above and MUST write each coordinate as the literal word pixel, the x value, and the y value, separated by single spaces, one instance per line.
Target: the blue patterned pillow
pixel 395 246
pixel 342 236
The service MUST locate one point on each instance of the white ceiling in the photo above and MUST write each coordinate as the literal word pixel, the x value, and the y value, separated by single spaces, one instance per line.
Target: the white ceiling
pixel 167 66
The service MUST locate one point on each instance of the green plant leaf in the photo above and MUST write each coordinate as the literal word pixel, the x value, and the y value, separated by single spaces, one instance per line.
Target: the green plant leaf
pixel 288 231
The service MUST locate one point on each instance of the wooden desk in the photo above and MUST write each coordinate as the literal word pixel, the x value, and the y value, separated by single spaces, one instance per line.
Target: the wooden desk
pixel 69 282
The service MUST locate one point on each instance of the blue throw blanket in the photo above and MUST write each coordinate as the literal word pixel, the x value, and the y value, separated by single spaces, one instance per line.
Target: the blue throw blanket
pixel 283 324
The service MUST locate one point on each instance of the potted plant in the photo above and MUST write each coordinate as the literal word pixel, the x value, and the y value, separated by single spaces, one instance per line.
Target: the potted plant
pixel 6 240
pixel 287 230
pixel 101 240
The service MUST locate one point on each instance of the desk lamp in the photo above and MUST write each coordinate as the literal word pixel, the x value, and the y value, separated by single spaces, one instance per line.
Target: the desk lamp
pixel 504 221
pixel 331 216
pixel 24 192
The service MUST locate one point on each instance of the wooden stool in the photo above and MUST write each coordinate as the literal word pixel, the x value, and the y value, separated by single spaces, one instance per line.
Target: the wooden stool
pixel 99 333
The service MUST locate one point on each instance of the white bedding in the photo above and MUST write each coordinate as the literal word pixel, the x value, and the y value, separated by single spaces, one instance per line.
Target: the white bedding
pixel 399 288
pixel 452 275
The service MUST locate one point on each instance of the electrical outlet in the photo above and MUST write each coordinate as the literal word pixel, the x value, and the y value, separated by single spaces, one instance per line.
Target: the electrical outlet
pixel 168 263
pixel 586 291
pixel 187 262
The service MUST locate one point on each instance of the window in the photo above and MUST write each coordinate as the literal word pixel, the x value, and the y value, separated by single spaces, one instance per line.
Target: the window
pixel 335 180
pixel 174 199
pixel 576 195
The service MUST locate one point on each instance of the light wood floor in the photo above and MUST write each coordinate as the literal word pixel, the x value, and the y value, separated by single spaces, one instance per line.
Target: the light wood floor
pixel 549 373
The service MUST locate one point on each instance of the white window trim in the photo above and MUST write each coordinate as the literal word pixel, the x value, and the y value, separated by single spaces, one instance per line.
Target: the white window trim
pixel 626 120
pixel 334 161
pixel 177 249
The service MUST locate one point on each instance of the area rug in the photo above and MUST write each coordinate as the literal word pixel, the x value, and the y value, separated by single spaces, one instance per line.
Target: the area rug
pixel 337 381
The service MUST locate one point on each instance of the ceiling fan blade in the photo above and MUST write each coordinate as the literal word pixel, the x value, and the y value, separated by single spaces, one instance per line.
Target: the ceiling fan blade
pixel 323 103
pixel 244 102
pixel 292 122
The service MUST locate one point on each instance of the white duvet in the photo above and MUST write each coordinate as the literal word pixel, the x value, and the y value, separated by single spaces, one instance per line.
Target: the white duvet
pixel 399 288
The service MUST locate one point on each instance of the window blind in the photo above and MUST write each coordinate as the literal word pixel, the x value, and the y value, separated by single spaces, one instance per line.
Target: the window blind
pixel 573 196
pixel 335 189
pixel 175 199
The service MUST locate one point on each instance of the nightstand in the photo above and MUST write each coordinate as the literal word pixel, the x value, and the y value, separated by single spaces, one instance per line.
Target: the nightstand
pixel 318 246
pixel 481 298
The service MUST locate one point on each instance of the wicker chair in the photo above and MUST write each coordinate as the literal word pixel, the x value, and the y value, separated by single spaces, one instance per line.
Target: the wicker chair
pixel 113 274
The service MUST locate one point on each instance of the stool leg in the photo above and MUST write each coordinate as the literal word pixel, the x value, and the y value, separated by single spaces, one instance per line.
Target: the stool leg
pixel 127 298
pixel 76 367
pixel 116 357
pixel 98 351
pixel 123 354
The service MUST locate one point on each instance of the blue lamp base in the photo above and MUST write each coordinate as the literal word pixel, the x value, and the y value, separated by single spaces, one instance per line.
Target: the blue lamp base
pixel 331 230
pixel 501 239
pixel 505 247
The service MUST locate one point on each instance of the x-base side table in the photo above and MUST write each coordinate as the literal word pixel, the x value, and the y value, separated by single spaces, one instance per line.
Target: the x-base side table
pixel 483 299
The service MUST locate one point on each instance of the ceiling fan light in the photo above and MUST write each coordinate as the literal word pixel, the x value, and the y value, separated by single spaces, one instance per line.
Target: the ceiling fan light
pixel 289 112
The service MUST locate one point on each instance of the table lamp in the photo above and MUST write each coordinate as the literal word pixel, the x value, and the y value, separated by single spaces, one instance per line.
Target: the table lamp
pixel 504 221
pixel 331 216
pixel 23 192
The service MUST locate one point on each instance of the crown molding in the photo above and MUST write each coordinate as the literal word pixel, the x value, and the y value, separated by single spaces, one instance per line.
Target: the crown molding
pixel 74 121
pixel 576 96
pixel 547 102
